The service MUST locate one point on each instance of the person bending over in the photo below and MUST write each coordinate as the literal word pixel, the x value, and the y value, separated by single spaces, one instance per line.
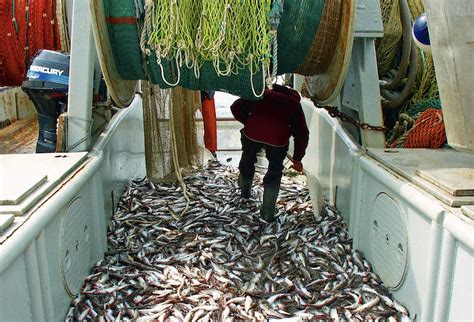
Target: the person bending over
pixel 269 123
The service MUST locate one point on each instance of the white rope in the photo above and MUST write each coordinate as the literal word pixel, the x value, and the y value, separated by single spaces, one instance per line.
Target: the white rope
pixel 251 78
pixel 175 158
pixel 149 13
pixel 158 61
pixel 275 55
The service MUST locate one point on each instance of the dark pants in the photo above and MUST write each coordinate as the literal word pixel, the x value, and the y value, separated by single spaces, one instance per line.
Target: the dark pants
pixel 275 157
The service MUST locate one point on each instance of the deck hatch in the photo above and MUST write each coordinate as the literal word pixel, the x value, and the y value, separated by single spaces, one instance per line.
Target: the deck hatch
pixel 455 181
pixel 16 186
pixel 27 178
pixel 446 174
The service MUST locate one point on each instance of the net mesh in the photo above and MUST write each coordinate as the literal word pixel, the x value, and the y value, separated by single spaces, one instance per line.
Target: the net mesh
pixel 397 137
pixel 427 132
pixel 296 32
pixel 123 30
pixel 207 44
pixel 324 43
pixel 388 51
pixel 389 46
pixel 170 132
pixel 61 32
pixel 27 26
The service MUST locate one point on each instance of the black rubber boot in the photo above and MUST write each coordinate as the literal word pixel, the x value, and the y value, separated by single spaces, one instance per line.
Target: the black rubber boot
pixel 267 211
pixel 245 185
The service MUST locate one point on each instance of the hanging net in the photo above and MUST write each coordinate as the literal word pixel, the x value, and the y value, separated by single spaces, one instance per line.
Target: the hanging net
pixel 389 46
pixel 388 51
pixel 171 148
pixel 228 45
pixel 170 131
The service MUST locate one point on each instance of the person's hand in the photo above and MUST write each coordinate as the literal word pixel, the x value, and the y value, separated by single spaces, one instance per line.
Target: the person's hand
pixel 297 165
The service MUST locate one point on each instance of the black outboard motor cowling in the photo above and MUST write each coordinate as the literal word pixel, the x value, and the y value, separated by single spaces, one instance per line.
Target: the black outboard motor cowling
pixel 47 86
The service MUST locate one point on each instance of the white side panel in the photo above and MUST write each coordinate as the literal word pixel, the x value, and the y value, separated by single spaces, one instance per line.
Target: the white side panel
pixel 330 157
pixel 122 148
pixel 414 208
pixel 437 280
pixel 38 284
pixel 34 282
pixel 462 302
pixel 15 299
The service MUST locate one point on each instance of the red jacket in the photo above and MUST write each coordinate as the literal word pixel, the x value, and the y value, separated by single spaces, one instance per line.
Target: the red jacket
pixel 274 119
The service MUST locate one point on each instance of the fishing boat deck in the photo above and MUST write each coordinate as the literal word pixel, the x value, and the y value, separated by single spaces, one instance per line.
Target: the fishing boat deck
pixel 216 259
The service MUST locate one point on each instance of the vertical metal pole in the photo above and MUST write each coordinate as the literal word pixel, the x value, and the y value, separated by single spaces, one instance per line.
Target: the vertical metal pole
pixel 361 91
pixel 81 75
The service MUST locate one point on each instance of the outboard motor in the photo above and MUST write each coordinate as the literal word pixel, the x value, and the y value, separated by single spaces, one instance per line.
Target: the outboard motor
pixel 47 86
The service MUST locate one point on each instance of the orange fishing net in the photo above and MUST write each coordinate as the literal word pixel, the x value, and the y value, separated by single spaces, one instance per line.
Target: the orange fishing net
pixel 428 131
pixel 27 26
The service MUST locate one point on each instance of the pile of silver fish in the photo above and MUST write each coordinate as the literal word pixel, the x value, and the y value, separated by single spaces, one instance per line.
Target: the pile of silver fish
pixel 216 260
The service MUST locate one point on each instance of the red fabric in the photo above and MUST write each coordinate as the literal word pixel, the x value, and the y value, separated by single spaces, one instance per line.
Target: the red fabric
pixel 3 77
pixel 121 20
pixel 274 119
pixel 36 33
pixel 208 111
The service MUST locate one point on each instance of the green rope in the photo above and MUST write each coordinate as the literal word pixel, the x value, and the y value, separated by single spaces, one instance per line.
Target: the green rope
pixel 416 109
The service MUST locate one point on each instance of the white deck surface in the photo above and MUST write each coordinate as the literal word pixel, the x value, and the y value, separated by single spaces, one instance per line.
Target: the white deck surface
pixel 447 170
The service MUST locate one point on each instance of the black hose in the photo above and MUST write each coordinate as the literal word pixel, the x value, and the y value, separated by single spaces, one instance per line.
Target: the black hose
pixel 406 48
pixel 394 102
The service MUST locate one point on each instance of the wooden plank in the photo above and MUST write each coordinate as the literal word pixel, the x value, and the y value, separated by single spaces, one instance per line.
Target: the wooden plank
pixel 61 133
